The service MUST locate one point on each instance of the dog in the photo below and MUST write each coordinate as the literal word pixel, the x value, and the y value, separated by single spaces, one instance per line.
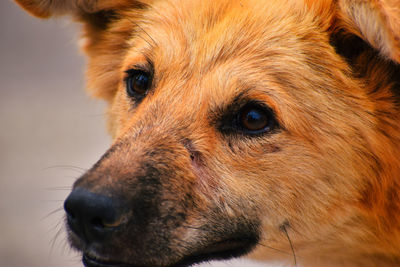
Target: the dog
pixel 266 128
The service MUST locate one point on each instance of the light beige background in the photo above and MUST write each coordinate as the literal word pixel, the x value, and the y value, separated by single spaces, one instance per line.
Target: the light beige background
pixel 50 132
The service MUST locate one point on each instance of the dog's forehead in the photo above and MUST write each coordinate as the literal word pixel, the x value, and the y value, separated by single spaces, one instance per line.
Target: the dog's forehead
pixel 218 32
pixel 226 43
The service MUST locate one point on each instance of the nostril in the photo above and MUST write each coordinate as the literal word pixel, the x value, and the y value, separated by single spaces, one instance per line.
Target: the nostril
pixel 97 223
pixel 70 213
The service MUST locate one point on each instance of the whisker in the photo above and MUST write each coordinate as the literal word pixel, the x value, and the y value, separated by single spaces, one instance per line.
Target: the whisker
pixel 52 212
pixel 66 248
pixel 141 28
pixel 58 188
pixel 58 227
pixel 71 177
pixel 67 167
pixel 54 239
pixel 55 227
pixel 283 228
pixel 275 249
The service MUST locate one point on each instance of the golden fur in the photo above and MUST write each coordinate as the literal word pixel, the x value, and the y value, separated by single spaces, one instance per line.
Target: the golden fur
pixel 328 179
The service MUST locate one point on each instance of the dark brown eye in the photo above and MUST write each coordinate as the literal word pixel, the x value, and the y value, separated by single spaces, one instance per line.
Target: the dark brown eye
pixel 254 119
pixel 138 83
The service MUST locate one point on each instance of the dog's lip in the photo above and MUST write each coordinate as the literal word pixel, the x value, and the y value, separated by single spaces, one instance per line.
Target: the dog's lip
pixel 94 261
pixel 220 250
pixel 226 249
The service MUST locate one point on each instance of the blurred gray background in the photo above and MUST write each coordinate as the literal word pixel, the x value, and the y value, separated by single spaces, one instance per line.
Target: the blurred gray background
pixel 50 133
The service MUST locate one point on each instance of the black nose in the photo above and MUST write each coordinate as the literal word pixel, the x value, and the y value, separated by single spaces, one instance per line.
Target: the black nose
pixel 92 216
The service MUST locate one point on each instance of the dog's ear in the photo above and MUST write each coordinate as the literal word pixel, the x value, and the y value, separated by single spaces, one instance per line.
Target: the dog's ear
pixel 375 21
pixel 103 35
pixel 48 8
pixel 94 13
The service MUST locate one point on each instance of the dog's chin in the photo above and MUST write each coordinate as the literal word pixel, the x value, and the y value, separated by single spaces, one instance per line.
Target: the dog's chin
pixel 226 249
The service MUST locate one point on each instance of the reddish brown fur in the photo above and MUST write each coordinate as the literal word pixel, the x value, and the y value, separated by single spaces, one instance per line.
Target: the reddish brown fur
pixel 330 176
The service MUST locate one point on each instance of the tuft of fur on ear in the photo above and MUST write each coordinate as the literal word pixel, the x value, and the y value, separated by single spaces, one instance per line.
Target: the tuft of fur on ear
pixel 104 34
pixel 375 21
pixel 48 8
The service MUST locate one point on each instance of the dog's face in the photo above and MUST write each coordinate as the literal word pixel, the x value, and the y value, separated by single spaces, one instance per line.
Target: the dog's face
pixel 238 126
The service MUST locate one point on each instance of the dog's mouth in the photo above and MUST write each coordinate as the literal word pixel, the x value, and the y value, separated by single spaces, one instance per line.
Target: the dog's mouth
pixel 226 249
pixel 92 261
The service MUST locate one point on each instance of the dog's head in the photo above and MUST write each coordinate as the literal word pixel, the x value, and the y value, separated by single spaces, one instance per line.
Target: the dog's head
pixel 239 126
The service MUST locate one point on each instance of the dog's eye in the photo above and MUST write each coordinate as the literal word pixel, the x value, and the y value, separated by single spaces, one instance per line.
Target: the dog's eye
pixel 255 119
pixel 138 83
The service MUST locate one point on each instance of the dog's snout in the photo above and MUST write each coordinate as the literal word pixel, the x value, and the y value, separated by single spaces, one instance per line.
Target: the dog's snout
pixel 92 216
